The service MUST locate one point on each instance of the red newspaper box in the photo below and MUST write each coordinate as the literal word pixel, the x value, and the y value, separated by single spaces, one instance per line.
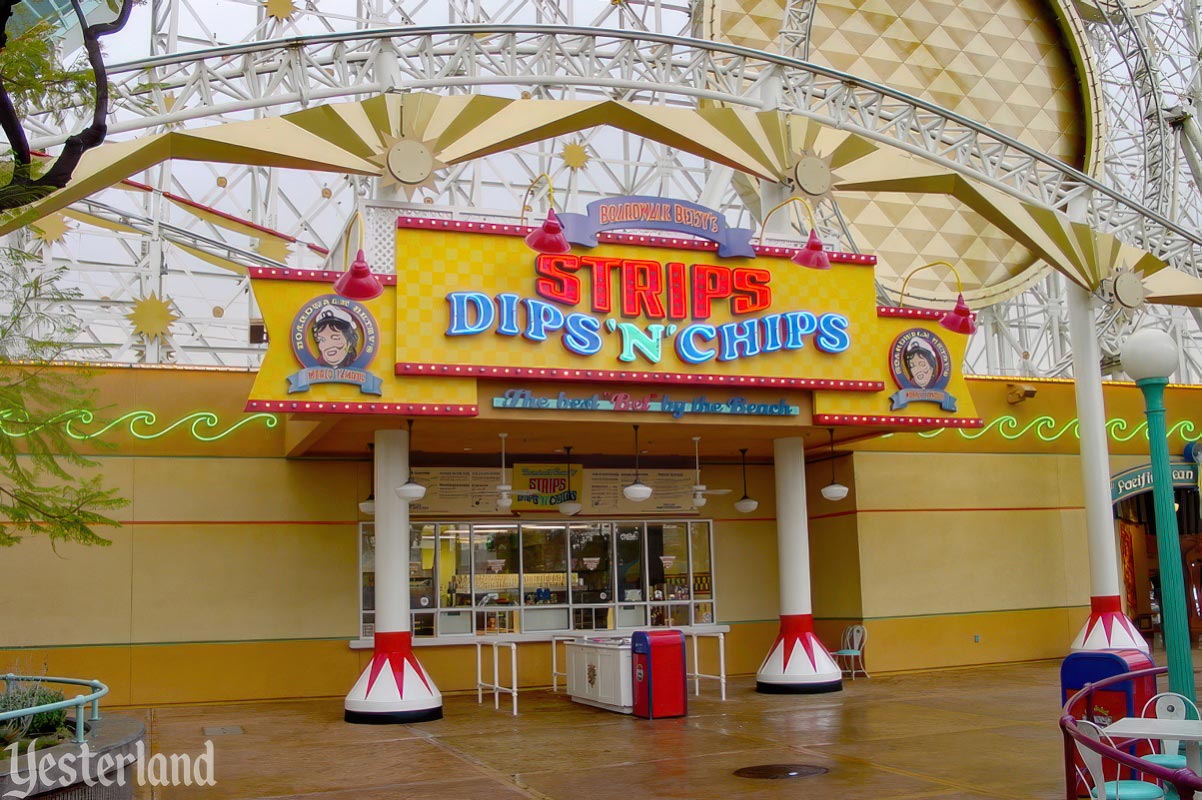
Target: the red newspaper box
pixel 1124 699
pixel 658 666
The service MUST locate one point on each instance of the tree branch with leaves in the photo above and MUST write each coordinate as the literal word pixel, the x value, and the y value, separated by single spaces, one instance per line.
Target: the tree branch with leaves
pixel 32 78
pixel 43 489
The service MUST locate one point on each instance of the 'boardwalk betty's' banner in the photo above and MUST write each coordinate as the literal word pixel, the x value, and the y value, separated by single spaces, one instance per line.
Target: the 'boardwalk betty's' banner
pixel 657 214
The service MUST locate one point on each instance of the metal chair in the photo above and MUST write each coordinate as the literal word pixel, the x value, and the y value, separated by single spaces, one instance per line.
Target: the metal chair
pixel 1169 705
pixel 850 655
pixel 1102 788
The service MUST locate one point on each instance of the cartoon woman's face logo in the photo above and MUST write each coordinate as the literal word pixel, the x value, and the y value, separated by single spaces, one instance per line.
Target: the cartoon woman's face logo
pixel 332 345
pixel 921 366
pixel 335 340
pixel 336 336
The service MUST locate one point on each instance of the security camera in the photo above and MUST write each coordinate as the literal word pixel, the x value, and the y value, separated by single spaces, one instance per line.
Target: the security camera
pixel 1018 392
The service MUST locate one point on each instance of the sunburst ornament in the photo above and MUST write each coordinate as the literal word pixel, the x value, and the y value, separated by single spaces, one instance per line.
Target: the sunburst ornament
pixel 152 317
pixel 407 162
pixel 813 176
pixel 50 228
pixel 279 9
pixel 273 248
pixel 574 155
pixel 1123 290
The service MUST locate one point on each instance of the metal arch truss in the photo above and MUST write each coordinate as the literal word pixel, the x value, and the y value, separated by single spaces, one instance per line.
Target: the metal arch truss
pixel 260 78
pixel 1028 336
pixel 1150 72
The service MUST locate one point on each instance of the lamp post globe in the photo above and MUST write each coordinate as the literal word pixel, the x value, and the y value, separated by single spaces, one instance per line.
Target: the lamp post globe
pixel 1149 353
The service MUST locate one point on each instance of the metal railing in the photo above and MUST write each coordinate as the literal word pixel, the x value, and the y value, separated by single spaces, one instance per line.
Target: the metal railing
pixel 80 702
pixel 1185 780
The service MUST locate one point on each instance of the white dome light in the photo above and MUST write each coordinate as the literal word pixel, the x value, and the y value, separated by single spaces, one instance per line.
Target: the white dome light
pixel 411 492
pixel 636 492
pixel 1149 353
pixel 745 505
pixel 834 492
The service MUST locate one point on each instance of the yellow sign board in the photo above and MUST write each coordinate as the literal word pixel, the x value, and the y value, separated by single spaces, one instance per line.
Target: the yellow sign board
pixel 472 303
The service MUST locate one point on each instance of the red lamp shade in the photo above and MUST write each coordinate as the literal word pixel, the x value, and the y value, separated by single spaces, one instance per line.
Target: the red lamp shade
pixel 959 319
pixel 548 237
pixel 358 282
pixel 812 256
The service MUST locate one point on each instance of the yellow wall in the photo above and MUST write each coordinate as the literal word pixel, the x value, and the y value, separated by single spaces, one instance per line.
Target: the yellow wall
pixel 233 575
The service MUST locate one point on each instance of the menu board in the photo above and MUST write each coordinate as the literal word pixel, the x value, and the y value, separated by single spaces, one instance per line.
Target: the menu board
pixel 452 491
pixel 672 491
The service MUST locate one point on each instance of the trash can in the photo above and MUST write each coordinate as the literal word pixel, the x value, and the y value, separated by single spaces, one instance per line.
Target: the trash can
pixel 658 669
pixel 1123 699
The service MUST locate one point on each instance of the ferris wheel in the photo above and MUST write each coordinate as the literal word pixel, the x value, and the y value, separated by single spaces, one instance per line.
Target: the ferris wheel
pixel 1085 109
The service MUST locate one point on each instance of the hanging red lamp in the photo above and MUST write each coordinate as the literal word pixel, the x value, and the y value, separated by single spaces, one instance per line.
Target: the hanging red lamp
pixel 960 318
pixel 813 255
pixel 549 237
pixel 358 282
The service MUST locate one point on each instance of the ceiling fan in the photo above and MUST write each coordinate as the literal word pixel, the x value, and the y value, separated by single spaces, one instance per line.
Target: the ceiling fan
pixel 700 492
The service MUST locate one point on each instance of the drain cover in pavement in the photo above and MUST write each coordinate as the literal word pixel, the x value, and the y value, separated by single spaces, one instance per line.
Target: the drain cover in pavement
pixel 776 772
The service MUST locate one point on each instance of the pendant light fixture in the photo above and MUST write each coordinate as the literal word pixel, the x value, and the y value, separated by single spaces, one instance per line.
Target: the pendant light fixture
pixel 548 237
pixel 504 488
pixel 358 282
pixel 569 507
pixel 410 491
pixel 638 491
pixel 961 318
pixel 833 491
pixel 745 504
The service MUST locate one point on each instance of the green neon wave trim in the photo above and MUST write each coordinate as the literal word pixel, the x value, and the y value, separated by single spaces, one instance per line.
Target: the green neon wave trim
pixel 1048 429
pixel 204 426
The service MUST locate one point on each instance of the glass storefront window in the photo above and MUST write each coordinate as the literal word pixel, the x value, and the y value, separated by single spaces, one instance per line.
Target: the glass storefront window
pixel 699 545
pixel 497 560
pixel 668 560
pixel 497 571
pixel 592 563
pixel 632 578
pixel 545 564
pixel 422 542
pixel 454 566
pixel 486 577
pixel 367 579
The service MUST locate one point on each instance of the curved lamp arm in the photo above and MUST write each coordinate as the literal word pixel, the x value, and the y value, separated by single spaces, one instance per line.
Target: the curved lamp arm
pixel 901 300
pixel 793 199
pixel 542 176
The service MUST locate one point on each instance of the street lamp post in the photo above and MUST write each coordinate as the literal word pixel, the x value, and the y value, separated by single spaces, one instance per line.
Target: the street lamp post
pixel 1149 356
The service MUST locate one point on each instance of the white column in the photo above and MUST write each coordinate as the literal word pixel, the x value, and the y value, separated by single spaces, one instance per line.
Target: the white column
pixel 792 526
pixel 393 687
pixel 798 662
pixel 392 532
pixel 1107 626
